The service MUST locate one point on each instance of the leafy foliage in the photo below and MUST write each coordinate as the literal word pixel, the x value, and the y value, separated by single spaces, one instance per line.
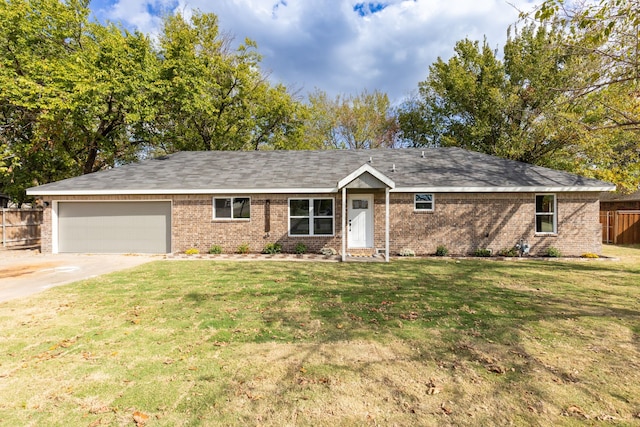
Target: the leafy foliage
pixel 211 97
pixel 78 96
pixel 272 248
pixel 508 108
pixel 565 94
pixel 509 252
pixel 553 252
pixel 215 250
pixel 72 90
pixel 442 250
pixel 482 252
pixel 603 36
pixel 365 120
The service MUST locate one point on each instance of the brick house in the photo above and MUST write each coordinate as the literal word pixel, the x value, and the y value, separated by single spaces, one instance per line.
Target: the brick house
pixel 398 199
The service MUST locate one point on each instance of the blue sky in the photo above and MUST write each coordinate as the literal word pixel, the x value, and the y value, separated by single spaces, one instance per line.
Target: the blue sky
pixel 340 46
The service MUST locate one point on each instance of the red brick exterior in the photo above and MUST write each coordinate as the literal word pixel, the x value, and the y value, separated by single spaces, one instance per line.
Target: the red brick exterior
pixel 462 222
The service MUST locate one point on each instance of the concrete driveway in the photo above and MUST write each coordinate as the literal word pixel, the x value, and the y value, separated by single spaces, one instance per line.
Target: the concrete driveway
pixel 24 272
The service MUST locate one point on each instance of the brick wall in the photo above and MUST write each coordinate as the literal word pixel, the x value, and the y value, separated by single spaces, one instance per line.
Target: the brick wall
pixel 462 222
pixel 194 226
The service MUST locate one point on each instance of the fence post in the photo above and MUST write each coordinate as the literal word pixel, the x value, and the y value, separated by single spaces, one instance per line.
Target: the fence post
pixel 4 229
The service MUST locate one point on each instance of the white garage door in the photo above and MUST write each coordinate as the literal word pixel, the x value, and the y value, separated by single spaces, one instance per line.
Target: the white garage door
pixel 114 227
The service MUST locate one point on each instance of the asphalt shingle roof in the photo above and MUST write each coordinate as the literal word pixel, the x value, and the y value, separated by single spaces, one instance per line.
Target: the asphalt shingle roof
pixel 207 171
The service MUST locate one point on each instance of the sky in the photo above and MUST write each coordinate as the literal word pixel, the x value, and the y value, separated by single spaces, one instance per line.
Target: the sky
pixel 339 46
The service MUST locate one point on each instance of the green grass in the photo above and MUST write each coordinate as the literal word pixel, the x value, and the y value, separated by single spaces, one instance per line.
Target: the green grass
pixel 412 342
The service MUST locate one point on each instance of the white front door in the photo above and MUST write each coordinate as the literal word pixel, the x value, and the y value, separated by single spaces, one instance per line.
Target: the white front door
pixel 360 221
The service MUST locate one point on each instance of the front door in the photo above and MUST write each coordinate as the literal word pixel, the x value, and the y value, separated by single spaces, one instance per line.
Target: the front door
pixel 360 221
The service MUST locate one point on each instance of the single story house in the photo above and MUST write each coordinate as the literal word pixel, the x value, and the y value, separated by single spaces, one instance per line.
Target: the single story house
pixel 358 202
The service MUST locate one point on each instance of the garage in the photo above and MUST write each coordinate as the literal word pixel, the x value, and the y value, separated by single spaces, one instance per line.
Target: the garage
pixel 114 227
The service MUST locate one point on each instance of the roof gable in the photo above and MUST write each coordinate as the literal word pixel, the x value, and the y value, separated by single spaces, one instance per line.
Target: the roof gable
pixel 366 176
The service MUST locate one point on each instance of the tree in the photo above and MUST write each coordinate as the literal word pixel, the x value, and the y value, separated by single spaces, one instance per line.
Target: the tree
pixel 78 96
pixel 73 92
pixel 211 97
pixel 605 34
pixel 506 108
pixel 365 120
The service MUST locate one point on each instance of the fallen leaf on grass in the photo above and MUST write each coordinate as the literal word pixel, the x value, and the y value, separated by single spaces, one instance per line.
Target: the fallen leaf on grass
pixel 253 397
pixel 575 410
pixel 411 316
pixel 140 418
pixel 432 388
pixel 100 410
pixel 496 369
pixel 446 409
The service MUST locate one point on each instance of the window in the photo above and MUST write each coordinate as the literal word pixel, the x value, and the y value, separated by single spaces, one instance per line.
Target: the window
pixel 360 204
pixel 545 213
pixel 310 217
pixel 423 202
pixel 232 208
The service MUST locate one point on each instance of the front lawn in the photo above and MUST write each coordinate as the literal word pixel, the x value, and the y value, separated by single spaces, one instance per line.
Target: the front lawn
pixel 412 342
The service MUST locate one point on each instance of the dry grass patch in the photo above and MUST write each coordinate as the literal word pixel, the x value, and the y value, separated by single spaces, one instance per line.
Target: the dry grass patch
pixel 413 342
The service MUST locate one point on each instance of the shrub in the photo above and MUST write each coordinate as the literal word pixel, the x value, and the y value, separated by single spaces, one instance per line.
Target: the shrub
pixel 482 252
pixel 407 252
pixel 553 252
pixel 192 251
pixel 243 248
pixel 442 251
pixel 215 250
pixel 509 252
pixel 301 248
pixel 272 248
pixel 589 255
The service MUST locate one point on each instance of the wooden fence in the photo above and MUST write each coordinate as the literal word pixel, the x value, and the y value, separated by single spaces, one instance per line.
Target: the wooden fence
pixel 620 227
pixel 20 227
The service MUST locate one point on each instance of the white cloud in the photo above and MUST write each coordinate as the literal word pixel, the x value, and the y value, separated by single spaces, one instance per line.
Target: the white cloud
pixel 329 45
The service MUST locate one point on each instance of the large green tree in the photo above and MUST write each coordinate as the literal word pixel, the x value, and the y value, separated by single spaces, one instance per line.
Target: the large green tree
pixel 365 120
pixel 606 35
pixel 78 96
pixel 212 97
pixel 72 92
pixel 505 107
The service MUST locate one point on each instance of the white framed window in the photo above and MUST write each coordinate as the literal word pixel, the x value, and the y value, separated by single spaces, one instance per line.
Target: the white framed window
pixel 232 208
pixel 423 202
pixel 546 219
pixel 311 217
